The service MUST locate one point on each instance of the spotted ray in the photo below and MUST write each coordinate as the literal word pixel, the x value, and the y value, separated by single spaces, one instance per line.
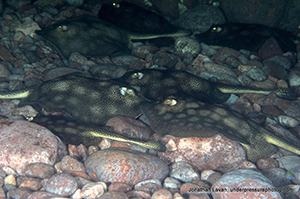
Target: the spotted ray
pixel 88 101
pixel 85 99
pixel 159 84
pixel 92 36
pixel 191 118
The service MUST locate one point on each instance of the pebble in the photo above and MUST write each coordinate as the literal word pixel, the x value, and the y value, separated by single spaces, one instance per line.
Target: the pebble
pixel 28 182
pixel 184 172
pixel 171 183
pixel 130 166
pixel 62 184
pixel 243 179
pixel 39 170
pixel 265 163
pixel 93 190
pixel 162 194
pixel 22 193
pixel 187 45
pixel 257 74
pixel 69 163
pixel 113 195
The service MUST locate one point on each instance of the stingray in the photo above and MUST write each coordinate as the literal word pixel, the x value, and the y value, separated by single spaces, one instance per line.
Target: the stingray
pixel 246 36
pixel 88 101
pixel 91 36
pixel 157 85
pixel 191 118
pixel 137 19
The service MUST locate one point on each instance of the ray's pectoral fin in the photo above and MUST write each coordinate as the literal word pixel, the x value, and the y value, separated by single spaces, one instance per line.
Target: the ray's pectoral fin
pixel 74 132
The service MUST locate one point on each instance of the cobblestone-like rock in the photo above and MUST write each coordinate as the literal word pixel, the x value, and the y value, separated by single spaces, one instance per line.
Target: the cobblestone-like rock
pixel 183 171
pixel 21 139
pixel 61 184
pixel 121 165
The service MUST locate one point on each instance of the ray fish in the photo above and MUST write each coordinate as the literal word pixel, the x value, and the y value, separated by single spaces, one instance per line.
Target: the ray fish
pixel 190 118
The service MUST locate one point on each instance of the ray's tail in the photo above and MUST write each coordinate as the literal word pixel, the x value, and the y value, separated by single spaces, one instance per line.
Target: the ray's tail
pixel 22 93
pixel 286 93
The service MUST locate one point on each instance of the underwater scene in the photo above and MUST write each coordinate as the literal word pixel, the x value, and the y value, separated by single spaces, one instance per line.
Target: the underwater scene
pixel 141 99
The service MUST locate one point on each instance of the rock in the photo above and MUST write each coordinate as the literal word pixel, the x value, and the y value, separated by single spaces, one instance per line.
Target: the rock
pixel 39 170
pixel 216 68
pixel 6 55
pixel 28 28
pixel 265 163
pixel 235 183
pixel 138 194
pixel 20 193
pixel 69 163
pixel 288 121
pixel 277 176
pixel 25 142
pixel 162 193
pixel 28 182
pixel 148 185
pixel 93 190
pixel 123 165
pixel 257 74
pixel 171 183
pixel 207 50
pixel 210 176
pixel 281 60
pixel 217 153
pixel 114 195
pixel 4 72
pixel 294 79
pixel 41 194
pixel 291 164
pixel 119 186
pixel 164 59
pixel 187 45
pixel 61 184
pixel 245 12
pixel 269 49
pixel 183 171
pixel 200 18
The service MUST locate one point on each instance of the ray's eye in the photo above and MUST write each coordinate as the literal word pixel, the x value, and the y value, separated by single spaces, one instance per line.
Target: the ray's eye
pixel 170 102
pixel 137 75
pixel 216 29
pixel 63 28
pixel 125 91
pixel 116 5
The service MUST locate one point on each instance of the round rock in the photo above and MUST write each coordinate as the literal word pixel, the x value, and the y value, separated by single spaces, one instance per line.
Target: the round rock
pixel 122 165
pixel 23 142
pixel 62 184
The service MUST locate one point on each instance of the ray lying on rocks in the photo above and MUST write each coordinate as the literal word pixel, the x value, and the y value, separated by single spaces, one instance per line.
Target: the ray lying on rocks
pixel 91 36
pixel 85 99
pixel 159 84
pixel 88 101
pixel 191 118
